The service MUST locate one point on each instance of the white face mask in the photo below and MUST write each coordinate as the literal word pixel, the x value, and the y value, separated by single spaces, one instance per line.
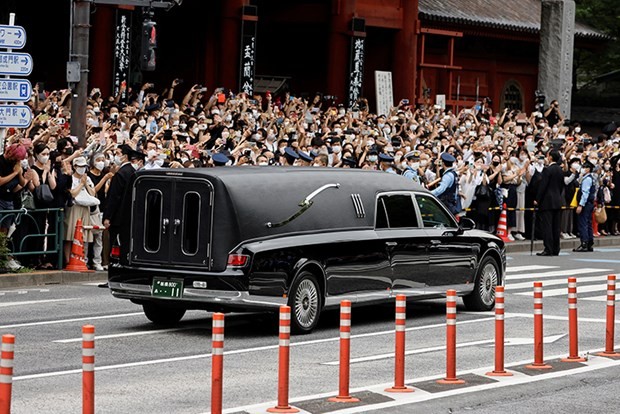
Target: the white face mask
pixel 594 161
pixel 528 130
pixel 555 130
pixel 336 149
pixel 576 167
pixel 386 130
pixel 117 160
pixel 415 165
pixel 195 130
pixel 80 170
pixel 135 165
pixel 413 127
pixel 24 164
pixel 338 130
pixel 263 164
pixel 100 165
pixel 158 162
pixel 142 123
pixel 577 130
pixel 184 160
pixel 43 159
pixel 372 158
pixel 423 163
pixel 523 157
pixel 467 125
pixel 182 126
pixel 462 129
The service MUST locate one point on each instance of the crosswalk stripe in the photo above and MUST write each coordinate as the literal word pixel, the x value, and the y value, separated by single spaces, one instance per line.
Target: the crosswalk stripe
pixel 512 269
pixel 564 291
pixel 552 282
pixel 565 273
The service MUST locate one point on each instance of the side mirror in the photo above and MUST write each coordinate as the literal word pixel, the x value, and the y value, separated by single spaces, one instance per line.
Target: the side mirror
pixel 466 224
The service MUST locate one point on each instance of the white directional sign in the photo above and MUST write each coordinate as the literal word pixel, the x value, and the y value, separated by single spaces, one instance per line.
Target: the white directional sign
pixel 15 64
pixel 12 37
pixel 16 90
pixel 15 116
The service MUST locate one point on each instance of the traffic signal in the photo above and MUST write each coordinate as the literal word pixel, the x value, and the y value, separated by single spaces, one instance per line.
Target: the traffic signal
pixel 149 44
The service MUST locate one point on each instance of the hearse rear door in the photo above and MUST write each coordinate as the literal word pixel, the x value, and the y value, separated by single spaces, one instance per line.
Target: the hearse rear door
pixel 171 221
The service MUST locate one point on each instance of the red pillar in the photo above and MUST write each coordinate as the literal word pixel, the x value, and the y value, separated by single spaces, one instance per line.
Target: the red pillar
pixel 102 48
pixel 230 43
pixel 339 47
pixel 404 70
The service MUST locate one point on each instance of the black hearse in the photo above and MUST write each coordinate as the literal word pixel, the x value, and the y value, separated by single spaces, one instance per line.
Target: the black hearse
pixel 255 238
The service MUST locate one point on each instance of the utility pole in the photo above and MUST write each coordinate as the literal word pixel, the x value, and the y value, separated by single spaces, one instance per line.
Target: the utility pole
pixel 79 53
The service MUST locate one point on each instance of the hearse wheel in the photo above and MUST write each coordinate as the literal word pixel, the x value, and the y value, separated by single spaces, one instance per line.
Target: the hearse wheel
pixel 483 296
pixel 306 302
pixel 162 315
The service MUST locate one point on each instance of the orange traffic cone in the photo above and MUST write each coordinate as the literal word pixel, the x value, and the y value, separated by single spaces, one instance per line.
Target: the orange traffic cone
pixel 502 229
pixel 77 262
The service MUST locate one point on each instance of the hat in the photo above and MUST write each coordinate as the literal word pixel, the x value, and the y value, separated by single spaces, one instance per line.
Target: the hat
pixel 136 155
pixel 445 157
pixel 412 154
pixel 79 162
pixel 219 159
pixel 304 157
pixel 350 162
pixel 290 152
pixel 587 164
pixel 385 158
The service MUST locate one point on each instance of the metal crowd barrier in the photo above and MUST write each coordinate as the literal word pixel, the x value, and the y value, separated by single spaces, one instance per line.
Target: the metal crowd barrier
pixel 55 231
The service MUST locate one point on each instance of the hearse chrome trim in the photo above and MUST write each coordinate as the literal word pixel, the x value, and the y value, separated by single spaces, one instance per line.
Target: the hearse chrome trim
pixel 215 297
pixel 305 204
pixel 359 206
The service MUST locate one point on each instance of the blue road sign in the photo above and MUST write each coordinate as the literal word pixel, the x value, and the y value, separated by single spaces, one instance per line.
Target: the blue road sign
pixel 17 64
pixel 15 116
pixel 12 37
pixel 15 90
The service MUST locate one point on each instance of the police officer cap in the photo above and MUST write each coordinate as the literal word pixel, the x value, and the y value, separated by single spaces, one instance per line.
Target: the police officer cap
pixel 386 158
pixel 350 162
pixel 587 164
pixel 445 157
pixel 290 152
pixel 412 155
pixel 219 159
pixel 305 157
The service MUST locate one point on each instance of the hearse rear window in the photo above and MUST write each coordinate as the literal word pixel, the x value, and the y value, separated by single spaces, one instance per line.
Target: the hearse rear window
pixel 191 223
pixel 152 221
pixel 396 211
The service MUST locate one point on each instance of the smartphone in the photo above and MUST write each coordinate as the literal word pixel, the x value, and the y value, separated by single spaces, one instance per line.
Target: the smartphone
pixel 405 101
pixel 221 98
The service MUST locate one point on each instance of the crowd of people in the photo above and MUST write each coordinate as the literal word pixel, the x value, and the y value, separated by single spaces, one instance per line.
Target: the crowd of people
pixel 475 159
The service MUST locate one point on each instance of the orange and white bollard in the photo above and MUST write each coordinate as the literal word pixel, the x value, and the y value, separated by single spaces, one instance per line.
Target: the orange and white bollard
pixel 88 369
pixel 573 336
pixel 217 362
pixel 611 319
pixel 283 363
pixel 345 354
pixel 499 370
pixel 539 363
pixel 451 340
pixel 6 373
pixel 399 351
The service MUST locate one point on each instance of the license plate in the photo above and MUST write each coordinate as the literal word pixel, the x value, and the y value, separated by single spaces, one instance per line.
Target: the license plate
pixel 167 288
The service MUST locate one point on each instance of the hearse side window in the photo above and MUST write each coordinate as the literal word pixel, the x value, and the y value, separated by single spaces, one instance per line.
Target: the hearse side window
pixel 191 223
pixel 396 211
pixel 152 221
pixel 433 215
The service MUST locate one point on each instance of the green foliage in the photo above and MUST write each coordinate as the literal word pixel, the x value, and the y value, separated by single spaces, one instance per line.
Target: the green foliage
pixel 603 15
pixel 4 250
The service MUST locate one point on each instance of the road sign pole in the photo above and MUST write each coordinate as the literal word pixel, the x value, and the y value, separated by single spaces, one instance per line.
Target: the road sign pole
pixel 80 34
pixel 3 130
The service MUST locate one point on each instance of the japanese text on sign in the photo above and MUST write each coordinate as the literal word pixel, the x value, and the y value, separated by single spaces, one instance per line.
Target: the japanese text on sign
pixel 356 73
pixel 122 52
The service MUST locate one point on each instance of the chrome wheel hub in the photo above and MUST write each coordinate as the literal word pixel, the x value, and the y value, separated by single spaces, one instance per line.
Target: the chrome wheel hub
pixel 306 303
pixel 488 282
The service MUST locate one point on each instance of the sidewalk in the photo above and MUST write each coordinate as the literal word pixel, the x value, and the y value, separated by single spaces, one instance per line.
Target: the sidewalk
pixel 55 277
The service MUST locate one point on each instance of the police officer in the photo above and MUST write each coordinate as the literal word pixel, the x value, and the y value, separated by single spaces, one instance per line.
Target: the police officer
pixel 585 198
pixel 219 159
pixel 448 190
pixel 413 166
pixel 386 163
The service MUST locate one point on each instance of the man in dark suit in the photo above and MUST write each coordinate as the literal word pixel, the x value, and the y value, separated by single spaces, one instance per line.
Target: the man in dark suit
pixel 130 162
pixel 549 203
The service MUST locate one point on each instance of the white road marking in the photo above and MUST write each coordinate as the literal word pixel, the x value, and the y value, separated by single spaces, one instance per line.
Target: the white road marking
pixel 599 298
pixel 59 321
pixel 547 293
pixel 580 280
pixel 234 352
pixel 122 335
pixel 512 269
pixel 556 317
pixel 23 292
pixel 35 302
pixel 594 363
pixel 556 273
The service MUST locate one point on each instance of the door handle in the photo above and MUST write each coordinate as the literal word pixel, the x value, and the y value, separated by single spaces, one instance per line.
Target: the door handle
pixel 391 244
pixel 177 223
pixel 435 242
pixel 164 225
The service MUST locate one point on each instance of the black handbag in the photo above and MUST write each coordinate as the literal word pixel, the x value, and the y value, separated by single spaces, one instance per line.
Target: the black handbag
pixel 43 195
pixel 482 192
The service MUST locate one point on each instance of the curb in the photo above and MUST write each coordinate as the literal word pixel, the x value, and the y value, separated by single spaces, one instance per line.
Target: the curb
pixel 524 246
pixel 13 280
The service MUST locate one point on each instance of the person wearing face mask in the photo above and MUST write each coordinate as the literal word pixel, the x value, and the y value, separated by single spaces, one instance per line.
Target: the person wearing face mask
pixel 412 166
pixel 79 182
pixel 549 203
pixel 448 189
pixel 571 186
pixel 585 200
pixel 130 161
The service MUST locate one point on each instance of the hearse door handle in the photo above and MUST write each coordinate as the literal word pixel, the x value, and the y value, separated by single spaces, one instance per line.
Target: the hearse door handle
pixel 177 223
pixel 391 244
pixel 435 243
pixel 164 225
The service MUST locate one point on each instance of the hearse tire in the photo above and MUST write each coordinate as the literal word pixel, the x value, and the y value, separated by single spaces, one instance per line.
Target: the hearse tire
pixel 306 302
pixel 483 296
pixel 162 315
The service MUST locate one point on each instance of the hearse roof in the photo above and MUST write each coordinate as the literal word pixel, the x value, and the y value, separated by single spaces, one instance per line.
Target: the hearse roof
pixel 273 194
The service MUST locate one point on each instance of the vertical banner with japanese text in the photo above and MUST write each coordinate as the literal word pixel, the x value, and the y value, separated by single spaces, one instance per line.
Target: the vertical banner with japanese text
pixel 122 51
pixel 248 56
pixel 356 70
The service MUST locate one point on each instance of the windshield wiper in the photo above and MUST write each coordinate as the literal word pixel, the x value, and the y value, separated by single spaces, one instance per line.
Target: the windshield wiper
pixel 305 204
